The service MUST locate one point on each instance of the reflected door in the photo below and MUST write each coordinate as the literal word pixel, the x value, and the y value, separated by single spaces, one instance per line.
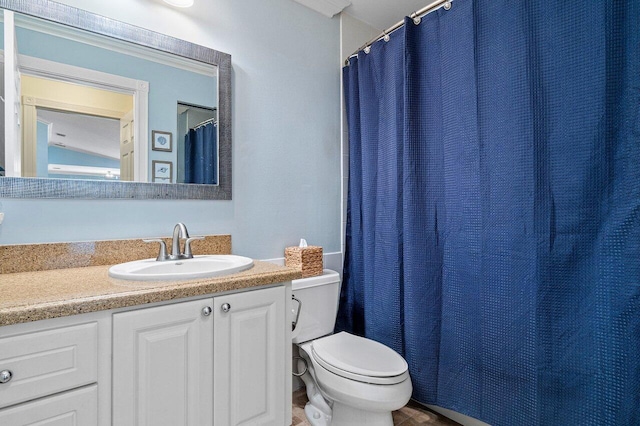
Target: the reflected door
pixel 126 147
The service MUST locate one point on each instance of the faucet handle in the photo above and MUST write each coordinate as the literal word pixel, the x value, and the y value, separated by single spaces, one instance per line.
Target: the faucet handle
pixel 162 255
pixel 187 246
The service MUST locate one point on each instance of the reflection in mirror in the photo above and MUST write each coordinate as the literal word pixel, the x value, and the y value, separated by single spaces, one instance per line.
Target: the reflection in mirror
pixel 84 83
pixel 73 145
pixel 81 132
pixel 197 144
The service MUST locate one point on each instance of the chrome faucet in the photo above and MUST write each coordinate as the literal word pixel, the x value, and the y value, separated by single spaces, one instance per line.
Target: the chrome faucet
pixel 179 232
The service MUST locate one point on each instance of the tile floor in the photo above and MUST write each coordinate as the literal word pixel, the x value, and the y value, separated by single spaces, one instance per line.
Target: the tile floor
pixel 410 414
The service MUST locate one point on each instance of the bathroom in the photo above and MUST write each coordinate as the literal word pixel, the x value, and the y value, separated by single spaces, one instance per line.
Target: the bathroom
pixel 290 156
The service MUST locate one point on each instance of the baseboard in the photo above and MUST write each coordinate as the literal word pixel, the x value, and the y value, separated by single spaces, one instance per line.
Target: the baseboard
pixel 458 417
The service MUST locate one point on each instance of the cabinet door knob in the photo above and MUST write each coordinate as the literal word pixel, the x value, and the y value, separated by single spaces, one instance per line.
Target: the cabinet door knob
pixel 226 307
pixel 5 376
pixel 206 311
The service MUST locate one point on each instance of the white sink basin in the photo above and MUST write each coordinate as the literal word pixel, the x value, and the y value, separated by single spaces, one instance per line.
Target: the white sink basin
pixel 184 269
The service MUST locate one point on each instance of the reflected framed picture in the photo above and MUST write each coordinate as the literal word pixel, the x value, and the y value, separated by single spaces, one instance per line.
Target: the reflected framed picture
pixel 161 141
pixel 162 171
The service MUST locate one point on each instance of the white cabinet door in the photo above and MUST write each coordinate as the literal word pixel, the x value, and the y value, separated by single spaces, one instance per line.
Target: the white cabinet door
pixel 73 408
pixel 249 358
pixel 163 366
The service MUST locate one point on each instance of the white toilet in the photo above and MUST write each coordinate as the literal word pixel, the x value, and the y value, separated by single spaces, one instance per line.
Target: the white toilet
pixel 350 380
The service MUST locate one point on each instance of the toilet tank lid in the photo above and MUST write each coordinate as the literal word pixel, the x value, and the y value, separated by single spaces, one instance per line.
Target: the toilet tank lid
pixel 328 277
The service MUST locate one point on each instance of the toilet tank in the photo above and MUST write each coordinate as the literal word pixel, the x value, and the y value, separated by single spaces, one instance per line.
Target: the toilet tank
pixel 319 296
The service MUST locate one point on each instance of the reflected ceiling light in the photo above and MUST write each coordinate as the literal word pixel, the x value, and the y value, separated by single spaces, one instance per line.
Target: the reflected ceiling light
pixel 180 3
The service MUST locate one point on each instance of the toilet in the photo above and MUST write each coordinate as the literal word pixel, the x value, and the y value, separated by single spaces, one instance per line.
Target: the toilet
pixel 350 380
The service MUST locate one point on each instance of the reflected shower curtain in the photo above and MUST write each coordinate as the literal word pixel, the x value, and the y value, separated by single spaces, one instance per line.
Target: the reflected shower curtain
pixel 201 155
pixel 493 225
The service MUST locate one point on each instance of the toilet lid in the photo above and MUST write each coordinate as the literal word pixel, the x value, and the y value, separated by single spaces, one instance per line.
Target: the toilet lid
pixel 357 356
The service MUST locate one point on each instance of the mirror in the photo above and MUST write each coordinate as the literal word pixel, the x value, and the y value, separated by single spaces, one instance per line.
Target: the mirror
pixel 109 110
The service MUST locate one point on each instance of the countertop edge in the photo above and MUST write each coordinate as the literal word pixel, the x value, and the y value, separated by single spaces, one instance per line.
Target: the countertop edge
pixel 145 294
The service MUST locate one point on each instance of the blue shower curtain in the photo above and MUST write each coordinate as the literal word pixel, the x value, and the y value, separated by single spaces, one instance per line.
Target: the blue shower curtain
pixel 201 155
pixel 493 224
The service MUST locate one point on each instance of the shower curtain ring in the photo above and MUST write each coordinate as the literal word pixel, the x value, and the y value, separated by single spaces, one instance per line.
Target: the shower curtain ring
pixel 367 49
pixel 386 36
pixel 447 5
pixel 416 18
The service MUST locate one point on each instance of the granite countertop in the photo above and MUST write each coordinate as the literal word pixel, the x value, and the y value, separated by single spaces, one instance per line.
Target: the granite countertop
pixel 33 296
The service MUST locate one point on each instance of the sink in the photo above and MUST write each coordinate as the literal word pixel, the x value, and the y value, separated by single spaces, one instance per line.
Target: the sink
pixel 184 269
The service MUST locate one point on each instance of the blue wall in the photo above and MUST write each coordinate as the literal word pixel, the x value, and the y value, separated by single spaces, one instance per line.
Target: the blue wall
pixel 66 156
pixel 286 135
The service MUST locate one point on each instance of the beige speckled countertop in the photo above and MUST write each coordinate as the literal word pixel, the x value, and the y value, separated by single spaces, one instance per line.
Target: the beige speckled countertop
pixel 33 296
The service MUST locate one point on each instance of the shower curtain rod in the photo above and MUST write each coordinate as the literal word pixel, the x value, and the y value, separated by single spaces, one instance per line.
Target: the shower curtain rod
pixel 416 16
pixel 204 123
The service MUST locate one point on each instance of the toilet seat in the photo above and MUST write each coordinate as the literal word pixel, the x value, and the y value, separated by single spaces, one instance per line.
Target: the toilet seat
pixel 359 359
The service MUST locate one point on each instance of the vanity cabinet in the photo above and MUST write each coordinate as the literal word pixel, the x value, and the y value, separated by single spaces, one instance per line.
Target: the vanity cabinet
pixel 217 361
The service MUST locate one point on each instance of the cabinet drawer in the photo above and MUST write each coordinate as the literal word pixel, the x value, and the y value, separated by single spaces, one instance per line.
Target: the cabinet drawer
pixel 74 408
pixel 48 361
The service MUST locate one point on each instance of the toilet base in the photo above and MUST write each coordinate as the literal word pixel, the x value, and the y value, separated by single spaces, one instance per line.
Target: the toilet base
pixel 315 416
pixel 317 410
pixel 344 415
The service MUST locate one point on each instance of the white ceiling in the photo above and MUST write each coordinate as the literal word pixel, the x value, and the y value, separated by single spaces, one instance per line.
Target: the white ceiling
pixel 382 14
pixel 83 133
